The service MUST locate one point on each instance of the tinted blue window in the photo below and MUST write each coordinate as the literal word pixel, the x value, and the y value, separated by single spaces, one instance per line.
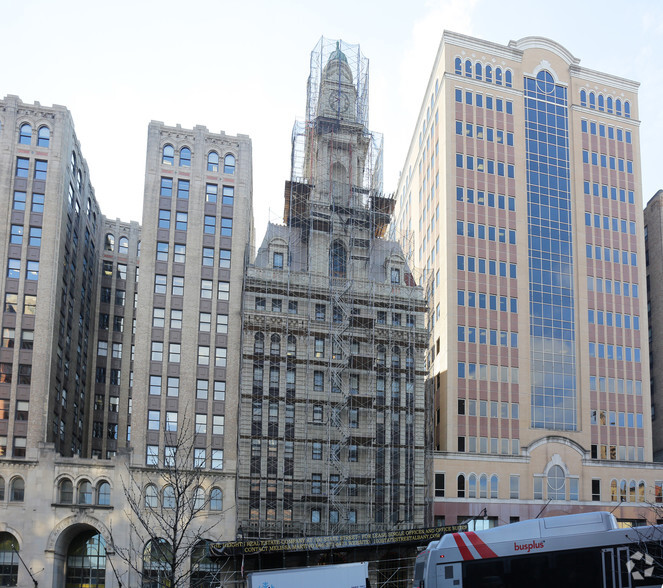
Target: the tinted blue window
pixel 552 325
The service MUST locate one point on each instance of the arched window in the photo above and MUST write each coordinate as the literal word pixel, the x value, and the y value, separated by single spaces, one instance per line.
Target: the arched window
pixel 337 260
pixel 109 242
pixel 103 494
pixel 627 109
pixel 409 359
pixel 609 104
pixel 498 76
pixel 138 249
pixel 168 155
pixel 622 491
pixel 84 492
pixel 66 492
pixel 213 161
pixel 123 246
pixel 508 78
pixel 478 71
pixel 493 486
pixel 259 344
pixel 2 489
pixel 292 346
pixel 17 490
pixel 229 164
pixel 156 557
pixel 458 66
pixel 592 100
pixel 468 68
pixel 44 136
pixel 614 494
pixel 216 499
pixel 25 134
pixel 631 491
pixel 198 498
pixel 618 107
pixel 382 355
pixel 151 496
pixel 461 486
pixel 601 102
pixel 556 483
pixel 168 497
pixel 86 560
pixel 185 157
pixel 472 486
pixel 275 345
pixel 79 180
pixel 395 358
pixel 204 571
pixel 641 491
pixel 489 73
pixel 9 559
pixel 583 98
pixel 483 486
pixel 72 162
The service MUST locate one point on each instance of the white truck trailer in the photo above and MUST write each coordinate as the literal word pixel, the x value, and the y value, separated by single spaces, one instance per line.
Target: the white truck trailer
pixel 352 575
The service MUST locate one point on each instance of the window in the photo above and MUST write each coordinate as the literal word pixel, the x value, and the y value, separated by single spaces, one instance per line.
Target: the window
pixel 153 418
pixel 13 268
pixel 320 312
pixel 66 492
pixel 199 458
pixel 33 270
pixel 337 260
pixel 395 276
pixel 25 134
pixel 228 195
pixel 229 164
pixel 277 260
pixel 224 256
pixel 162 251
pixel 209 227
pixel 17 487
pixel 41 168
pixel 223 291
pixel 206 289
pixel 183 189
pixel 164 219
pixel 316 450
pixel 168 155
pixel 218 422
pixel 439 485
pixel 211 192
pixel 556 483
pixel 227 227
pixel 179 253
pixel 103 494
pixel 178 286
pixel 151 496
pixel 19 200
pixel 22 167
pixel 35 237
pixel 152 455
pixel 174 350
pixel 319 347
pixel 219 390
pixel 222 323
pixel 217 459
pixel 173 386
pixel 16 234
pixel 181 220
pixel 203 354
pixel 8 335
pixel 213 161
pixel 185 157
pixel 216 499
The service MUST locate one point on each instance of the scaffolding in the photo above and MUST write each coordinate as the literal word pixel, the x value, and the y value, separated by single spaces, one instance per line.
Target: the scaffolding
pixel 339 442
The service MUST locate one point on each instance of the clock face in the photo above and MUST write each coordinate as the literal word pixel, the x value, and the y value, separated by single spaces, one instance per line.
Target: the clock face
pixel 339 102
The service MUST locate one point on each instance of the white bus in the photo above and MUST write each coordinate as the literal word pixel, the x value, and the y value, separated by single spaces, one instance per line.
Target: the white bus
pixel 584 550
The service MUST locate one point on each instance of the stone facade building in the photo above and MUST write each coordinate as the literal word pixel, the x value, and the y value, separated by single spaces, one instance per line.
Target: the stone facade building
pixel 332 435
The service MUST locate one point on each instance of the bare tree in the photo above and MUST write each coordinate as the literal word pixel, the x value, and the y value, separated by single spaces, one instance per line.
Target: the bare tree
pixel 167 506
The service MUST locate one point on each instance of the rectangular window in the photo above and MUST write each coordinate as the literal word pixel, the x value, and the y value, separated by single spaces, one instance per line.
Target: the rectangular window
pixel 217 459
pixel 183 189
pixel 166 187
pixel 228 195
pixel 152 455
pixel 220 356
pixel 219 390
pixel 171 421
pixel 514 487
pixel 222 323
pixel 178 286
pixel 164 219
pixel 174 350
pixel 173 387
pixel 226 227
pixel 439 485
pixel 210 225
pixel 181 220
pixel 153 419
pixel 155 385
pixel 206 289
pixel 203 354
pixel 201 424
pixel 40 169
pixel 218 422
pixel 223 291
pixel 224 258
pixel 211 192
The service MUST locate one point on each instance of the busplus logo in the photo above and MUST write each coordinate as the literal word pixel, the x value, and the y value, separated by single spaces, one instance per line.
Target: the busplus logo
pixel 528 546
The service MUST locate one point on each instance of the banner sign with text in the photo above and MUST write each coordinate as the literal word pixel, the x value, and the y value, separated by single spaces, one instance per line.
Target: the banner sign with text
pixel 253 546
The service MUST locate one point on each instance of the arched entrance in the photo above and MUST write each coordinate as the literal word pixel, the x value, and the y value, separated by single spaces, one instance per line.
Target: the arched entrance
pixel 86 561
pixel 8 560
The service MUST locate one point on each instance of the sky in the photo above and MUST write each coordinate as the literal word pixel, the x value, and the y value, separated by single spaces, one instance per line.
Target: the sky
pixel 242 67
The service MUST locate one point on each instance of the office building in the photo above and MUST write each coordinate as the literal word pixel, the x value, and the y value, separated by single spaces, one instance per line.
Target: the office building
pixel 520 198
pixel 331 435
